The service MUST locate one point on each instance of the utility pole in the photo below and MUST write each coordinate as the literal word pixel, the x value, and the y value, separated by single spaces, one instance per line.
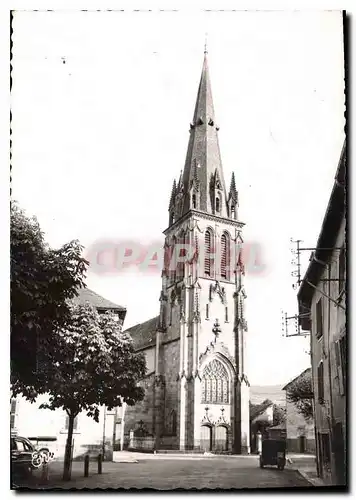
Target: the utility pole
pixel 296 273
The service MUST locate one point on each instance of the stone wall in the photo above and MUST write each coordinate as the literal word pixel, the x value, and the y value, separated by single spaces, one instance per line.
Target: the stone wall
pixel 142 410
pixel 170 366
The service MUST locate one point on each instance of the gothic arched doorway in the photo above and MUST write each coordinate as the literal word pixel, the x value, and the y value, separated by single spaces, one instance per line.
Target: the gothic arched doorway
pixel 221 438
pixel 206 439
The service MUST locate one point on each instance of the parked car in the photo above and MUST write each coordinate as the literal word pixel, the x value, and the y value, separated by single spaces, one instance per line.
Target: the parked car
pixel 22 451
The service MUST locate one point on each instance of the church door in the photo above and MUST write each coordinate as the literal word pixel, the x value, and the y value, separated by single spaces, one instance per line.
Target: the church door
pixel 206 438
pixel 221 443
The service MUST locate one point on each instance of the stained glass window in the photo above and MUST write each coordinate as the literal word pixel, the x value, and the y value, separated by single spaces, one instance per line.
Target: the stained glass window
pixel 215 383
pixel 219 390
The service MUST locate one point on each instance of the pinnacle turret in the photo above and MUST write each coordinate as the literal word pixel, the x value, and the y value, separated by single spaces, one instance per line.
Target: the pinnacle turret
pixel 173 194
pixel 233 191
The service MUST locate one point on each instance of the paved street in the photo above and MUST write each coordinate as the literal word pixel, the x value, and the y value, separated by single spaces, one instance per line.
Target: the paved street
pixel 180 472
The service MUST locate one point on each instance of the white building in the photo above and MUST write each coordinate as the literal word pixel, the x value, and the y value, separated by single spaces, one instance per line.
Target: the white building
pixel 28 420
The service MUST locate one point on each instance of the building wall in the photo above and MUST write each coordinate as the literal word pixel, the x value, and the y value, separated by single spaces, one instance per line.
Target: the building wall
pixel 141 411
pixel 227 346
pixel 188 345
pixel 333 410
pixel 300 433
pixel 31 421
pixel 170 367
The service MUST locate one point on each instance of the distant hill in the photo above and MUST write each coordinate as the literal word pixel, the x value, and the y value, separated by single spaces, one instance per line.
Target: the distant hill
pixel 258 393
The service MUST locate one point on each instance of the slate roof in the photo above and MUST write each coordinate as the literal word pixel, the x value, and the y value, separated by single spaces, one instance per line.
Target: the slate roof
pixel 296 378
pixel 87 295
pixel 144 334
pixel 281 427
pixel 255 411
pixel 203 149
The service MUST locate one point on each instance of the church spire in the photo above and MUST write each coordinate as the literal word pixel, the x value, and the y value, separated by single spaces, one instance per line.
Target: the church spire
pixel 203 185
pixel 233 201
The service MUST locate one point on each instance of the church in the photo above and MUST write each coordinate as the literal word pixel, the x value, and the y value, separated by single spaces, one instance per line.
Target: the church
pixel 196 388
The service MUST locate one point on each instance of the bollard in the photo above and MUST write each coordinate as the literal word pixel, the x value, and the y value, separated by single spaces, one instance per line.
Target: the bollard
pixel 44 473
pixel 100 463
pixel 86 466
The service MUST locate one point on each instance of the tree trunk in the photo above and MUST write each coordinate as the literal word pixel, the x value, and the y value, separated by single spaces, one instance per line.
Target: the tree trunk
pixel 68 450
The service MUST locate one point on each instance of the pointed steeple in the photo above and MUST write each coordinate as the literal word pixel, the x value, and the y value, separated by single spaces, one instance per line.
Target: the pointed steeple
pixel 233 202
pixel 233 191
pixel 203 162
pixel 173 194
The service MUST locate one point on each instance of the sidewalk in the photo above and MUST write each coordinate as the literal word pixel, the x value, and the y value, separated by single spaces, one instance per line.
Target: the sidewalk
pixel 306 466
pixel 123 456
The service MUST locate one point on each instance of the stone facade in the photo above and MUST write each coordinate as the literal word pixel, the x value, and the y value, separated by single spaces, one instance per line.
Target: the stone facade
pixel 199 392
pixel 322 303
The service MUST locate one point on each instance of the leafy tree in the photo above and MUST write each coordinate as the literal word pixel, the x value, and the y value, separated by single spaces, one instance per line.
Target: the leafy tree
pixel 300 392
pixel 279 414
pixel 43 281
pixel 94 364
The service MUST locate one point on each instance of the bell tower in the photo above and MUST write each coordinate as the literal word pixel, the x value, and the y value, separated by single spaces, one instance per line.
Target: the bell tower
pixel 203 296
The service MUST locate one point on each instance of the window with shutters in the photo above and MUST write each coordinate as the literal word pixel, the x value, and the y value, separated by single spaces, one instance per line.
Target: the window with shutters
pixel 208 262
pixel 339 367
pixel 321 382
pixel 319 319
pixel 342 262
pixel 215 383
pixel 340 350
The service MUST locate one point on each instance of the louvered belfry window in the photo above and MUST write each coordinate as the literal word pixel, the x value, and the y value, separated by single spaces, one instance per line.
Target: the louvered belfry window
pixel 224 256
pixel 208 253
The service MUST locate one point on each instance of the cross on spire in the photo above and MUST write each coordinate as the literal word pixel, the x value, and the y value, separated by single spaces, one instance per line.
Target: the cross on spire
pixel 206 44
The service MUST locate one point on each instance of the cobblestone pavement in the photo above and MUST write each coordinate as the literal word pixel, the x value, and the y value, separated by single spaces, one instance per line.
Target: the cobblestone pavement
pixel 186 473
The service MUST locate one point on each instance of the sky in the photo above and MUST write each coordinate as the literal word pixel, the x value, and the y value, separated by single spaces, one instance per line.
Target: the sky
pixel 101 106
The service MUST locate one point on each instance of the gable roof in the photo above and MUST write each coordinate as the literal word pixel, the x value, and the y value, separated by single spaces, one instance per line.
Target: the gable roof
pixel 255 411
pixel 296 378
pixel 278 427
pixel 144 334
pixel 96 300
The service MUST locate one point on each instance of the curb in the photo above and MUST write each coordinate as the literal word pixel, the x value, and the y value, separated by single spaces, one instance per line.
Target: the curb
pixel 313 482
